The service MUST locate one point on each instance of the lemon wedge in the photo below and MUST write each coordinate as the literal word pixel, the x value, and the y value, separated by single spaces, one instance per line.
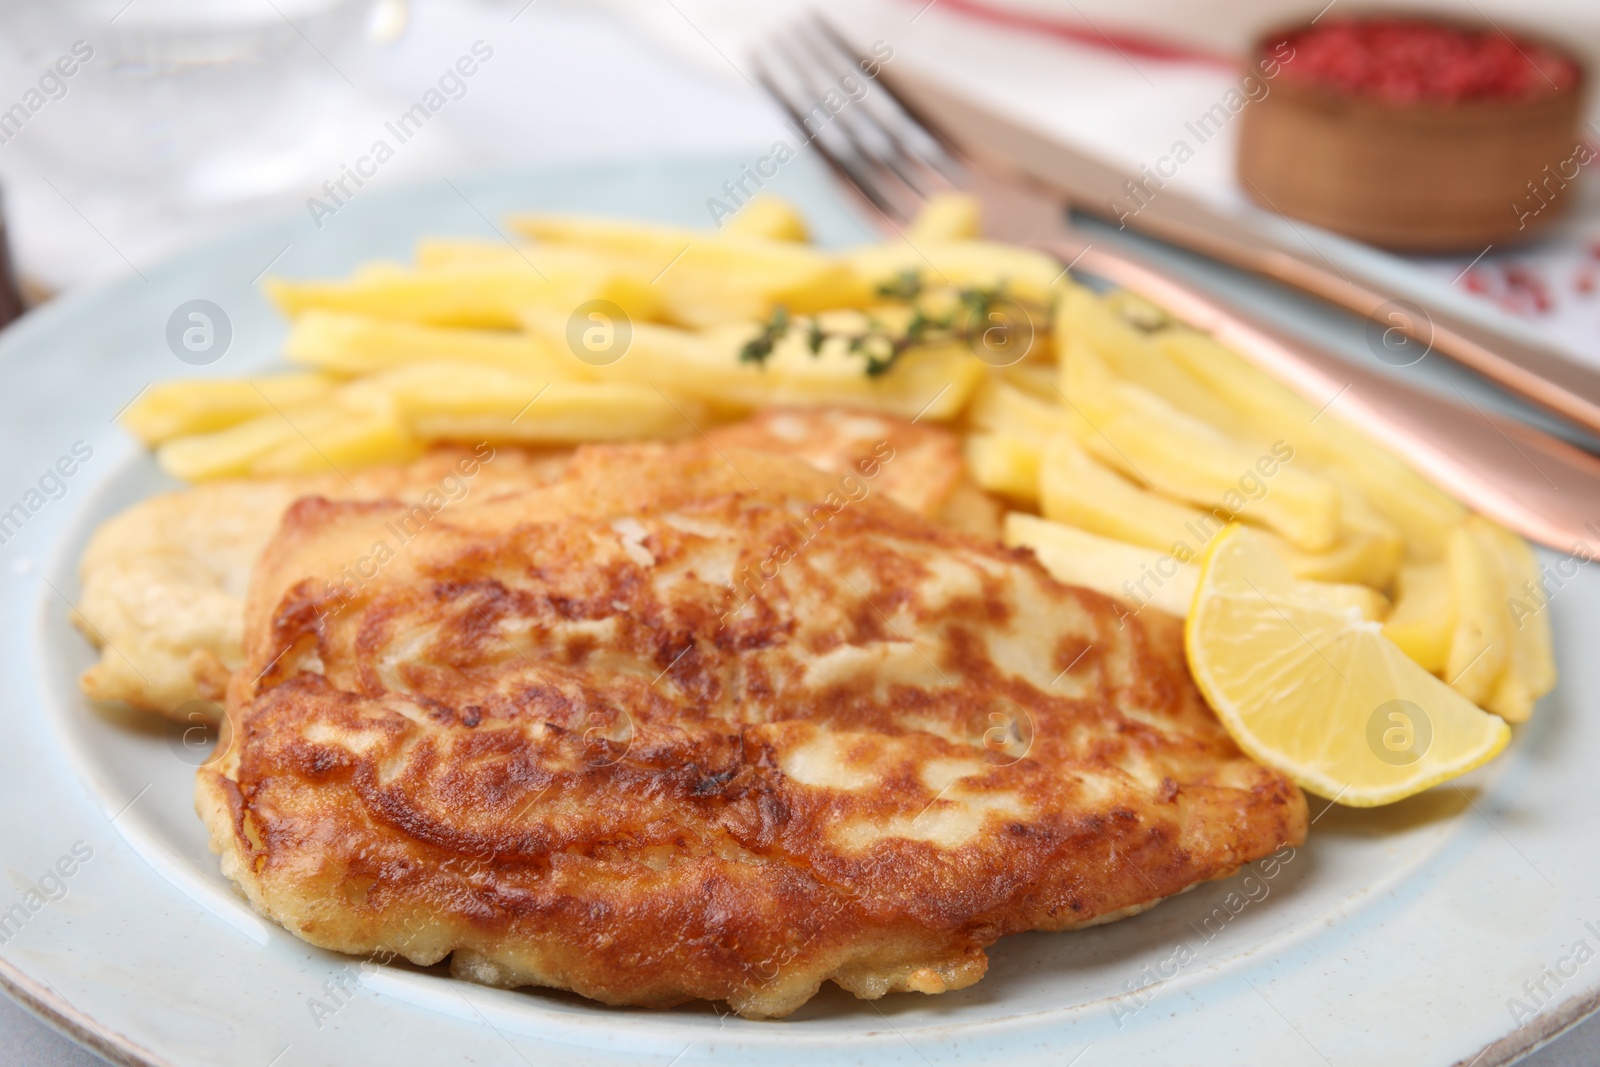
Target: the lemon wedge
pixel 1310 688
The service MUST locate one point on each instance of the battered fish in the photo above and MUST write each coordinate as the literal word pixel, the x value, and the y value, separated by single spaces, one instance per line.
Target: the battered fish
pixel 919 466
pixel 164 581
pixel 706 723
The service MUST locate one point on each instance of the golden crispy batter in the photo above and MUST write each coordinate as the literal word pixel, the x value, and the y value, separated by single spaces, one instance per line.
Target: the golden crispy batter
pixel 695 724
pixel 924 461
pixel 164 581
pixel 920 465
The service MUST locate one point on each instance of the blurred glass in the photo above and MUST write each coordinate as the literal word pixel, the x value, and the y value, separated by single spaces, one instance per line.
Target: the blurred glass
pixel 185 102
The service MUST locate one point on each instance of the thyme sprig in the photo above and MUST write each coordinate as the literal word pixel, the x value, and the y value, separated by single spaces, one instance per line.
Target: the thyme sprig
pixel 963 319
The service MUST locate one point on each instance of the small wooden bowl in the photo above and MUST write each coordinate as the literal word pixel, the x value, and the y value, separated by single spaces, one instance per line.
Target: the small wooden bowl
pixel 1414 176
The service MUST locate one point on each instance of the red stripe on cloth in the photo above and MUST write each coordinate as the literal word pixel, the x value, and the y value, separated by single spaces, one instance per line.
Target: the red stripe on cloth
pixel 1085 34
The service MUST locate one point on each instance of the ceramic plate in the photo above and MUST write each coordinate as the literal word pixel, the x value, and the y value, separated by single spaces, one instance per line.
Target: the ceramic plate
pixel 1459 927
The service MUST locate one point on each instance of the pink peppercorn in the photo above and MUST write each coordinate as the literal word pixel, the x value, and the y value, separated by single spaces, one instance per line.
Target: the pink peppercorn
pixel 1406 60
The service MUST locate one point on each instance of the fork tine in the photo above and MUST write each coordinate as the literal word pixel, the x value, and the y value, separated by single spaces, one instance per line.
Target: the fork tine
pixel 848 170
pixel 913 134
pixel 843 152
pixel 871 138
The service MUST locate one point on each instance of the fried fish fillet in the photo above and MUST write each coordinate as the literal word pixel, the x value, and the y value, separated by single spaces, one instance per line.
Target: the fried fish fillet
pixel 689 723
pixel 164 581
pixel 917 466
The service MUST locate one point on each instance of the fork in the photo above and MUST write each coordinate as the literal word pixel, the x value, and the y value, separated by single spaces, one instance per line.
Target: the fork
pixel 893 159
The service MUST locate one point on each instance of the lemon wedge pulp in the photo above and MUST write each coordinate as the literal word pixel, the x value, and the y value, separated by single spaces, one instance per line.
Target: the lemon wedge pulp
pixel 1308 687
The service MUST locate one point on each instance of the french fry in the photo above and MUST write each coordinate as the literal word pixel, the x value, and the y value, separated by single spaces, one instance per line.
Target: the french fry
pixel 1141 576
pixel 946 217
pixel 314 436
pixel 568 413
pixel 1075 489
pixel 735 280
pixel 1026 275
pixel 1141 435
pixel 489 298
pixel 1037 379
pixel 1381 545
pixel 1084 319
pixel 771 217
pixel 651 240
pixel 226 453
pixel 1003 464
pixel 748 273
pixel 1480 643
pixel 1131 573
pixel 1368 551
pixel 933 382
pixel 454 401
pixel 1531 670
pixel 172 409
pixel 347 344
pixel 1367 602
pixel 1002 408
pixel 334 438
pixel 710 279
pixel 1196 375
pixel 1423 514
pixel 1424 618
pixel 1366 548
pixel 1359 556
